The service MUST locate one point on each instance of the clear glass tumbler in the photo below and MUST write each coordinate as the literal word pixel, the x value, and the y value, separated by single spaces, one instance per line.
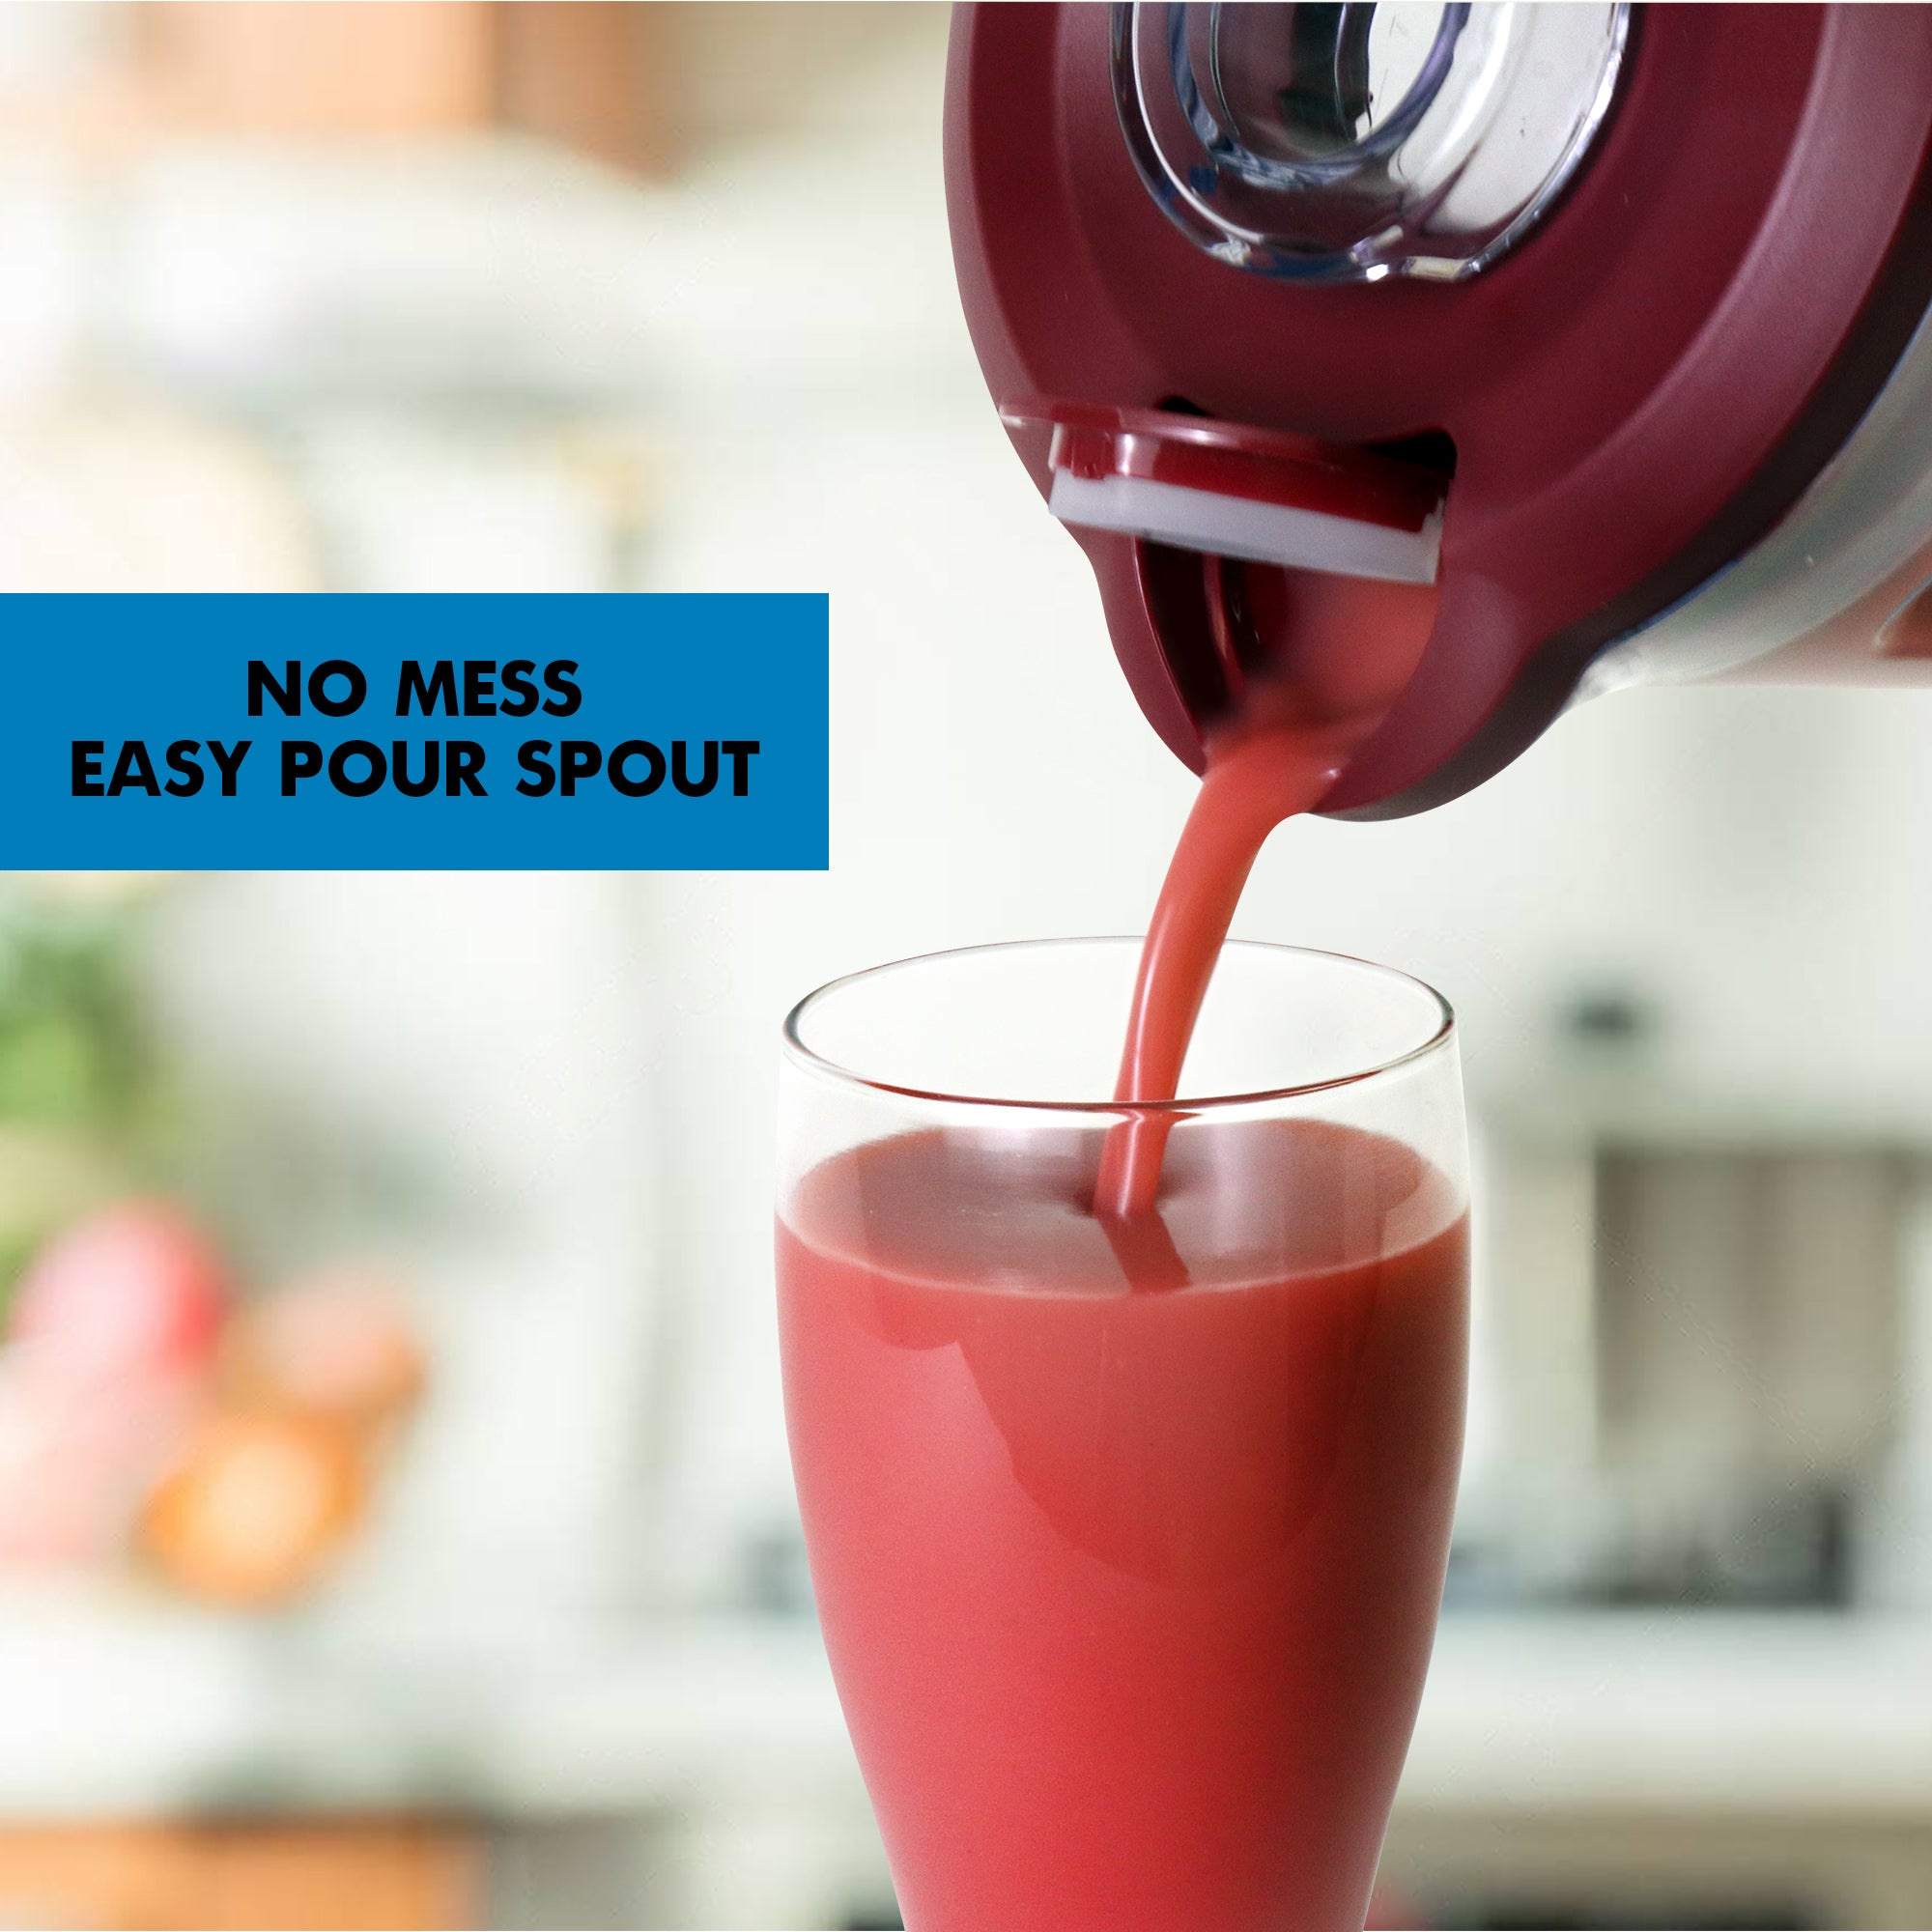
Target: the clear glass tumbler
pixel 1127 1537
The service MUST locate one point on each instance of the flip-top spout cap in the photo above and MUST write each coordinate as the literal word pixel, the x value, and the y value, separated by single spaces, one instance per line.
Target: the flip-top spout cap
pixel 1231 489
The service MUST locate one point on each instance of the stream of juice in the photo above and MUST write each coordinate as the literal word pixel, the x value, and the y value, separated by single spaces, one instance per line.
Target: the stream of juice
pixel 1253 784
pixel 1271 761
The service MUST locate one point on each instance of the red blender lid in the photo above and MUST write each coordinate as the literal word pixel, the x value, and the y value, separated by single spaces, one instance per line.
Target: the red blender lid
pixel 1235 491
pixel 1637 385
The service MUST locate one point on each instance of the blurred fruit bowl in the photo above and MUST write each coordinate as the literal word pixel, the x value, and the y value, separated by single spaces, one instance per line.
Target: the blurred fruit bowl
pixel 232 1444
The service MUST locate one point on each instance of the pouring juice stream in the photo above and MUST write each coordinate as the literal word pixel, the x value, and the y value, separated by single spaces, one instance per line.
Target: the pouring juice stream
pixel 1292 732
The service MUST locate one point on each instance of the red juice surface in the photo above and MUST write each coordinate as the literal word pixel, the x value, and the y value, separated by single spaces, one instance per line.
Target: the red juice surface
pixel 1129 1595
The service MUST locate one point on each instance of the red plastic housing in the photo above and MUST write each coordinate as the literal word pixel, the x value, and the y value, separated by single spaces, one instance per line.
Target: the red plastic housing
pixel 1632 397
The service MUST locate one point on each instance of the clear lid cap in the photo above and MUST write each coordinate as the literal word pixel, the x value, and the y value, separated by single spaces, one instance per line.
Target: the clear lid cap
pixel 1346 143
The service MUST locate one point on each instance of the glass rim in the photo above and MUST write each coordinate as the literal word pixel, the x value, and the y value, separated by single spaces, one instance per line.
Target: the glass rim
pixel 807 1057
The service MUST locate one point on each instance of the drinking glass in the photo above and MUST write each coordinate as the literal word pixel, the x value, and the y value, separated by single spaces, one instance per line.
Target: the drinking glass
pixel 1127 1537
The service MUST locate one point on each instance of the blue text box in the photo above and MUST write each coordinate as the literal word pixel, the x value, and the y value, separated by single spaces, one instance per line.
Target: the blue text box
pixel 683 686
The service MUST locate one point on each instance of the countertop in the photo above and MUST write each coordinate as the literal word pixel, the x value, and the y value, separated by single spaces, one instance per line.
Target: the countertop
pixel 117 1710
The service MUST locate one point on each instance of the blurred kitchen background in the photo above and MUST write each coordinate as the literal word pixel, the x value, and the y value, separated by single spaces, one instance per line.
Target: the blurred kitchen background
pixel 394 1521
